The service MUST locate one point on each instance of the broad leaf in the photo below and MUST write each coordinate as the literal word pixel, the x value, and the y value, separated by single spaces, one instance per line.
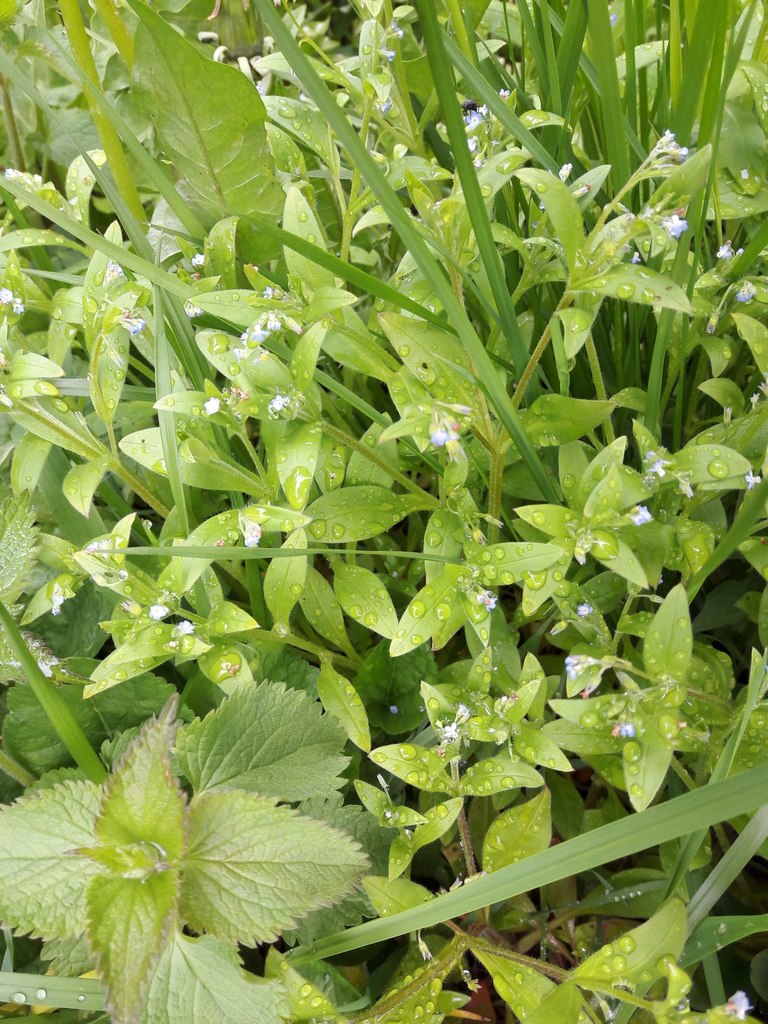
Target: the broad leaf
pixel 264 738
pixel 669 639
pixel 521 831
pixel 44 887
pixel 357 513
pixel 342 700
pixel 252 869
pixel 210 121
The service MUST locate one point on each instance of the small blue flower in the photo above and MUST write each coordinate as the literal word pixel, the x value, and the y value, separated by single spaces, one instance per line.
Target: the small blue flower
pixel 627 730
pixel 389 54
pixel 584 609
pixel 725 252
pixel 472 119
pixel 752 480
pixel 641 515
pixel 385 107
pixel 746 292
pixel 675 225
pixel 440 437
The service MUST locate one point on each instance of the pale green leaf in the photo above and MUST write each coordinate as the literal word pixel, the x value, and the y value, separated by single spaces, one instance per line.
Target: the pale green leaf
pixel 388 896
pixel 519 985
pixel 364 598
pixel 80 484
pixel 252 869
pixel 200 981
pixel 637 284
pixel 521 831
pixel 44 887
pixel 357 513
pixel 264 739
pixel 342 700
pixel 669 639
pixel 18 546
pixel 284 579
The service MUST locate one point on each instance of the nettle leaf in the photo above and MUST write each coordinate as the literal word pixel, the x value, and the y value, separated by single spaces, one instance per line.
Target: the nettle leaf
pixel 364 598
pixel 210 121
pixel 18 546
pixel 358 513
pixel 44 886
pixel 253 869
pixel 201 980
pixel 638 957
pixel 391 690
pixel 143 803
pixel 264 739
pixel 342 700
pixel 128 924
pixel 520 832
pixel 669 640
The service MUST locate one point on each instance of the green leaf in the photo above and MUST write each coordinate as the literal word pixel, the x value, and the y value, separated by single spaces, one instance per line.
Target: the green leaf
pixel 435 357
pixel 18 546
pixel 253 869
pixel 427 612
pixel 637 284
pixel 646 763
pixel 210 120
pixel 716 932
pixel 342 700
pixel 29 736
pixel 128 924
pixel 388 896
pixel 44 887
pixel 390 689
pixel 323 610
pixel 564 1005
pixel 262 738
pixel 509 563
pixel 555 419
pixel 357 513
pixel 80 483
pixel 669 638
pixel 498 775
pixel 418 766
pixel 519 985
pixel 439 819
pixel 712 466
pixel 521 831
pixel 201 980
pixel 364 598
pixel 143 802
pixel 284 579
pixel 298 450
pixel 638 956
pixel 561 207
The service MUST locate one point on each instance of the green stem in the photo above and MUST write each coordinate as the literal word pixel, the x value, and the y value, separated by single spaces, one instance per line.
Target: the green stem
pixel 466 838
pixel 597 377
pixel 138 488
pixel 494 492
pixel 347 439
pixel 538 352
pixel 16 771
pixel 110 140
pixel 14 140
pixel 120 34
pixel 354 189
pixel 58 712
pixel 460 30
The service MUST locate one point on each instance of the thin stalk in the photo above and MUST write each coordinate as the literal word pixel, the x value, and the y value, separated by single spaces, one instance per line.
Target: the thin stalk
pixel 354 189
pixel 538 352
pixel 466 838
pixel 11 767
pixel 495 482
pixel 459 26
pixel 110 141
pixel 597 377
pixel 59 713
pixel 121 37
pixel 357 446
pixel 14 140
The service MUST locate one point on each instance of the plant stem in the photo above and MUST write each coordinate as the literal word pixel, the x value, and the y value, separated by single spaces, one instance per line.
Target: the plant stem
pixel 17 150
pixel 538 352
pixel 110 140
pixel 354 189
pixel 120 35
pixel 460 30
pixel 347 439
pixel 466 838
pixel 495 490
pixel 16 771
pixel 138 487
pixel 597 377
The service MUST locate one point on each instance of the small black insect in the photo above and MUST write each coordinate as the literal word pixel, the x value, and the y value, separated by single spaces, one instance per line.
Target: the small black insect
pixel 468 105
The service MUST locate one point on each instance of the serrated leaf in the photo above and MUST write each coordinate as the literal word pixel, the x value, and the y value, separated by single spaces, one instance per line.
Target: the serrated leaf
pixel 210 121
pixel 637 957
pixel 128 924
pixel 253 870
pixel 364 598
pixel 44 887
pixel 143 802
pixel 358 513
pixel 263 738
pixel 18 546
pixel 520 832
pixel 342 700
pixel 669 640
pixel 418 766
pixel 201 980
